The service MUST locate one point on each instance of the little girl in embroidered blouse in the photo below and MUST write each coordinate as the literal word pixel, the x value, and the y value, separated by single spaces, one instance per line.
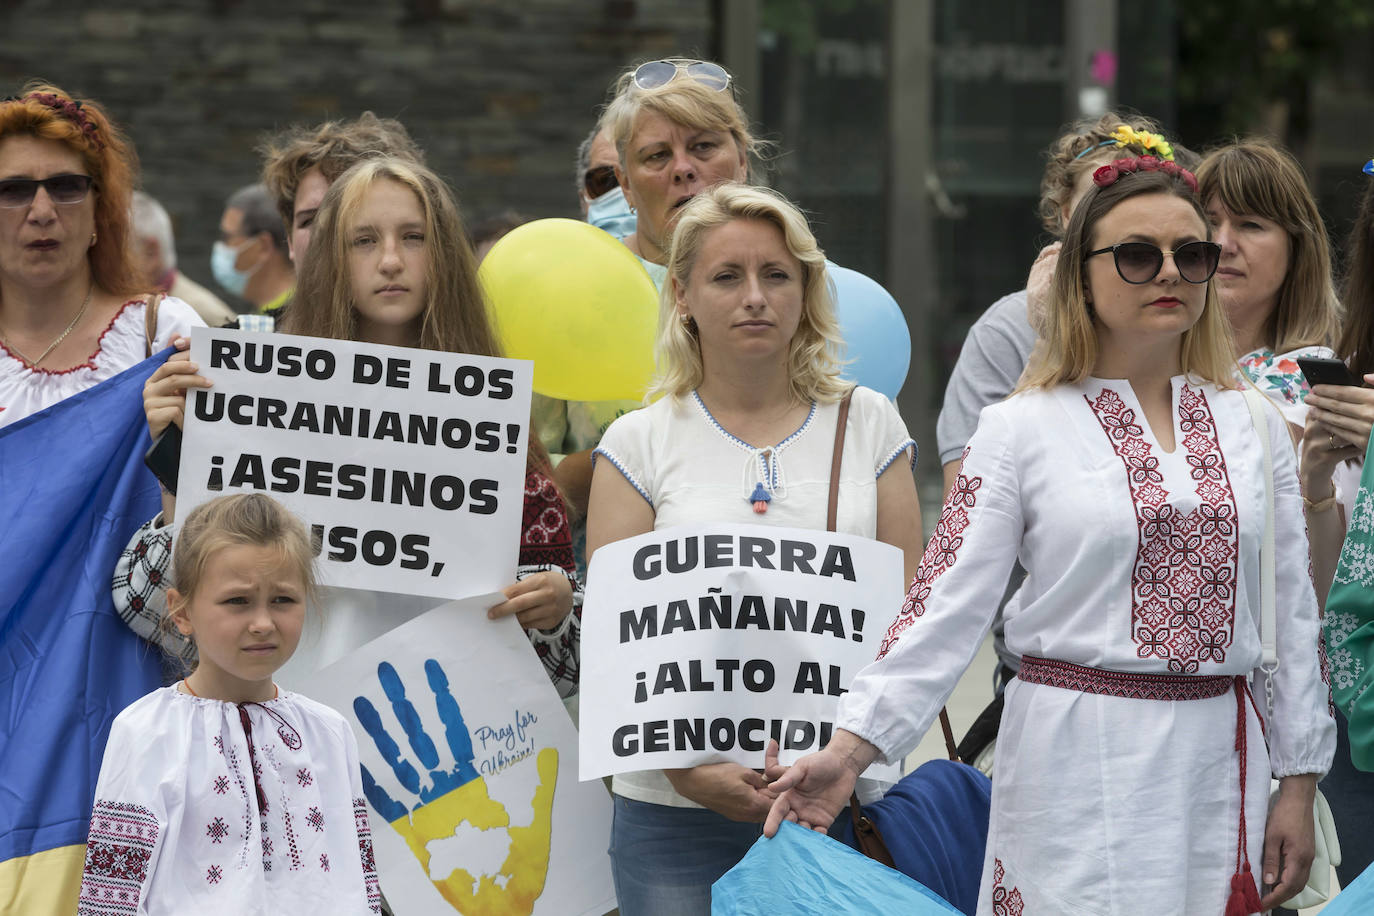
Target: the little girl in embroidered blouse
pixel 221 793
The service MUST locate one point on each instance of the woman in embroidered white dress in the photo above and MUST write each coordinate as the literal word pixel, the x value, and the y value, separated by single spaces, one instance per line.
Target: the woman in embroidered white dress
pixel 223 793
pixel 1126 475
pixel 744 432
pixel 69 314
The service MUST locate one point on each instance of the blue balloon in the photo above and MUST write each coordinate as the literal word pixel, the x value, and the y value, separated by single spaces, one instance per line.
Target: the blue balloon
pixel 877 341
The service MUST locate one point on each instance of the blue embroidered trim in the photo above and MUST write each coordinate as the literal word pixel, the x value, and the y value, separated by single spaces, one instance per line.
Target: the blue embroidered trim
pixel 628 476
pixel 897 453
pixel 745 445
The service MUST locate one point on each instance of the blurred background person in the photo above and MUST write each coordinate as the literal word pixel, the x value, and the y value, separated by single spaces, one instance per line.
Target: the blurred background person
pixel 598 190
pixel 155 251
pixel 489 230
pixel 251 259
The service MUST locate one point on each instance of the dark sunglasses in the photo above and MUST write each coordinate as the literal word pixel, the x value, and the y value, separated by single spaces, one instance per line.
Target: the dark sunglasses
pixel 599 180
pixel 662 72
pixel 62 189
pixel 1141 262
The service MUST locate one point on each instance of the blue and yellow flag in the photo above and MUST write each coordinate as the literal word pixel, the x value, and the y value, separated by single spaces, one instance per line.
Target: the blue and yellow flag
pixel 73 489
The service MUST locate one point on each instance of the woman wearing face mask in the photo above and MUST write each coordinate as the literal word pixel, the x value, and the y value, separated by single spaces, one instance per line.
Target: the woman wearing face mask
pixel 406 278
pixel 251 258
pixel 677 130
pixel 1132 771
pixel 70 311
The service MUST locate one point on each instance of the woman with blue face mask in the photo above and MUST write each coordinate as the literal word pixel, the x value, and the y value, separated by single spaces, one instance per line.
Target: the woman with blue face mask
pixel 598 190
pixel 672 129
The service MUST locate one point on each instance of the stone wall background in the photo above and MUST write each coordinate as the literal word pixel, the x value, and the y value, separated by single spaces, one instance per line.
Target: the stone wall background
pixel 498 93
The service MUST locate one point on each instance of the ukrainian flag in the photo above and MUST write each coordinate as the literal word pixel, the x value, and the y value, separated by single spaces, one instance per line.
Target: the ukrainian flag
pixel 73 489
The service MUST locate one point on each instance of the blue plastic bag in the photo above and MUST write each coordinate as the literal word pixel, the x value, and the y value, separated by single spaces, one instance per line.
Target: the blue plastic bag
pixel 1355 900
pixel 801 871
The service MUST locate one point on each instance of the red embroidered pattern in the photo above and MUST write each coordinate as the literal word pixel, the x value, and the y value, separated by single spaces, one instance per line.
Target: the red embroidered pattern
pixel 1183 585
pixel 324 861
pixel 213 874
pixel 303 777
pixel 545 535
pixel 315 818
pixel 216 830
pixel 940 554
pixel 369 860
pixel 1004 902
pixel 120 843
pixel 221 785
pixel 1131 685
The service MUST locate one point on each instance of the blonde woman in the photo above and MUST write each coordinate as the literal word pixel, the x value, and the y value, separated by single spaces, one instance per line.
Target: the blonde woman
pixel 750 386
pixel 1127 476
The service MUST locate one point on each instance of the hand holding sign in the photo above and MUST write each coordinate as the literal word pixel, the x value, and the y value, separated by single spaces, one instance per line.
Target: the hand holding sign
pixel 455 801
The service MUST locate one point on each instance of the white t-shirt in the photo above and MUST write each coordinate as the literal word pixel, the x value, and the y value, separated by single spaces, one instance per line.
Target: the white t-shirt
pixel 25 390
pixel 691 470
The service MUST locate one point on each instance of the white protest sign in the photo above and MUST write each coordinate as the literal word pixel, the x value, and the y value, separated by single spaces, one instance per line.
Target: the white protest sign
pixel 470 771
pixel 409 465
pixel 699 643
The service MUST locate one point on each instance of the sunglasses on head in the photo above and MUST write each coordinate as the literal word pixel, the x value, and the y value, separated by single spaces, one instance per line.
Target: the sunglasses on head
pixel 599 180
pixel 662 72
pixel 1141 262
pixel 62 189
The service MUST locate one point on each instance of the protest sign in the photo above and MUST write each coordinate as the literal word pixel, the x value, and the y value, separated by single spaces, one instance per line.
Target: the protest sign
pixel 470 771
pixel 408 465
pixel 701 643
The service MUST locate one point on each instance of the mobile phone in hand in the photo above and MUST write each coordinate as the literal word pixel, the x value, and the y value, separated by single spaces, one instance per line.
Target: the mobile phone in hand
pixel 1326 371
pixel 164 457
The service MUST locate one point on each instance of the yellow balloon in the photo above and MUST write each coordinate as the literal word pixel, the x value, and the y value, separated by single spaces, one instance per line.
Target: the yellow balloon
pixel 578 303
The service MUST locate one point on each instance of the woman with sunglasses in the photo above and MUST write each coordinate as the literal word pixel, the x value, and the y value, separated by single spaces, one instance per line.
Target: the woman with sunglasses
pixel 677 131
pixel 1132 770
pixel 70 313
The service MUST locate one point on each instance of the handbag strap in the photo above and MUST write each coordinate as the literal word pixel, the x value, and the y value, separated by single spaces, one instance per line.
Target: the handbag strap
pixel 1269 663
pixel 831 512
pixel 150 323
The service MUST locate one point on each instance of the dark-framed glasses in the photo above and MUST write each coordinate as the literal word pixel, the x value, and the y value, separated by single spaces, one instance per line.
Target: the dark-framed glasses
pixel 62 189
pixel 599 180
pixel 1141 262
pixel 662 72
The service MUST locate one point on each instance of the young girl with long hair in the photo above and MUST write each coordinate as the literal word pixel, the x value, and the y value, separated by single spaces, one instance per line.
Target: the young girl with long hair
pixel 224 792
pixel 389 263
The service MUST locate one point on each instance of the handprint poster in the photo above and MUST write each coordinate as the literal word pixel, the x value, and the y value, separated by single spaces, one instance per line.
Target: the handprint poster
pixel 469 766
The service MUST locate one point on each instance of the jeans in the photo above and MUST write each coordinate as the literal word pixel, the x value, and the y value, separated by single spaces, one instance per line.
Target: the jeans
pixel 665 859
pixel 1350 792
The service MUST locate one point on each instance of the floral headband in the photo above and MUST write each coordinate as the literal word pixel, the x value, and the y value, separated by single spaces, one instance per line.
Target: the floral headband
pixel 1108 174
pixel 69 109
pixel 1149 144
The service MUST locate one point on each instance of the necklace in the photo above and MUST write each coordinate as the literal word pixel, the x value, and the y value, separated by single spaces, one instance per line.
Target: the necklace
pixel 60 337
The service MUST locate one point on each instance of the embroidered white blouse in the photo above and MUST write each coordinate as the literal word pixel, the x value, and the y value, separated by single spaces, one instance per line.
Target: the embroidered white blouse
pixel 196 813
pixel 1137 560
pixel 25 390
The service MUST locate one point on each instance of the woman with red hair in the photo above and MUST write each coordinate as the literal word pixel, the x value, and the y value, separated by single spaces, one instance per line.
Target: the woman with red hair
pixel 70 313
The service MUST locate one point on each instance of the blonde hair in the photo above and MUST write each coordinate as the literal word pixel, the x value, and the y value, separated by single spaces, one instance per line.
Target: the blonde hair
pixel 813 360
pixel 1258 178
pixel 683 101
pixel 455 317
pixel 239 520
pixel 1069 344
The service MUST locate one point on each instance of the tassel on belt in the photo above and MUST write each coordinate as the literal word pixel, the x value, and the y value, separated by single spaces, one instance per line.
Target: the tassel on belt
pixel 1244 897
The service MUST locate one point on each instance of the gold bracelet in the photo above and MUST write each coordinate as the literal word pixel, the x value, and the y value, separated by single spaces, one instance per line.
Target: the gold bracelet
pixel 1320 505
